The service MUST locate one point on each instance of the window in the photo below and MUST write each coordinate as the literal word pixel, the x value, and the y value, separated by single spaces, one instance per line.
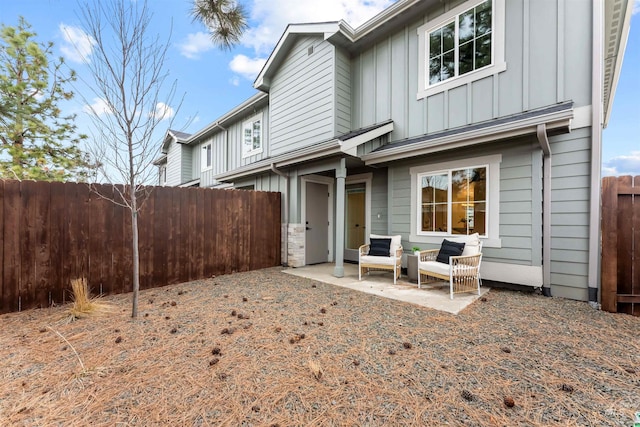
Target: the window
pixel 163 175
pixel 456 198
pixel 464 44
pixel 453 201
pixel 206 157
pixel 252 136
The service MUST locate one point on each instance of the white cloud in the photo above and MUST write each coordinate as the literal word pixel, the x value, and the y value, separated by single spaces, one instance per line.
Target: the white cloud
pixel 163 111
pixel 235 81
pixel 636 7
pixel 272 17
pixel 247 67
pixel 77 45
pixel 195 44
pixel 98 107
pixel 622 165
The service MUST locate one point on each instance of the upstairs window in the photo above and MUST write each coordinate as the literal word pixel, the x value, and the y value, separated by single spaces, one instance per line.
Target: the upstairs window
pixel 252 136
pixel 462 45
pixel 206 157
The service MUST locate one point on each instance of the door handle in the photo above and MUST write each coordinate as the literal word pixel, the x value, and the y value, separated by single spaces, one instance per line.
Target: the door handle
pixel 308 228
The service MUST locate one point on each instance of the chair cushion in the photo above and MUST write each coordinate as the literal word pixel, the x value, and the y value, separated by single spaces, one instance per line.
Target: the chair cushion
pixel 379 247
pixel 449 249
pixel 435 267
pixel 381 260
pixel 471 243
pixel 396 242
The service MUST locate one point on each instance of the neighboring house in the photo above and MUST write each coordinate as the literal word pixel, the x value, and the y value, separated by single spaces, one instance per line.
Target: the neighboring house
pixel 433 119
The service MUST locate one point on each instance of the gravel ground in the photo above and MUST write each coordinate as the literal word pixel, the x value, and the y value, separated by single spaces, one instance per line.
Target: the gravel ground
pixel 268 348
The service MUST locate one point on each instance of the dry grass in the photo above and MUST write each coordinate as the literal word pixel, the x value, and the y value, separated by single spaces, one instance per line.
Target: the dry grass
pixel 83 304
pixel 265 348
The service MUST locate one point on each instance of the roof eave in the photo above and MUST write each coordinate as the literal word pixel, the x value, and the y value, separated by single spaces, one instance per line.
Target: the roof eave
pixel 558 121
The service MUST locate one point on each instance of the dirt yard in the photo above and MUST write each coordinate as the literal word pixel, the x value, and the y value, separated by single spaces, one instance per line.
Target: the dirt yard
pixel 269 349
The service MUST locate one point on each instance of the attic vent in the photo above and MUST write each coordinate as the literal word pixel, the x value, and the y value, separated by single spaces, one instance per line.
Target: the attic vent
pixel 310 50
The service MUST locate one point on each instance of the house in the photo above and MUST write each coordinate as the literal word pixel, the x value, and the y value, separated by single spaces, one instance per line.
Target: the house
pixel 434 118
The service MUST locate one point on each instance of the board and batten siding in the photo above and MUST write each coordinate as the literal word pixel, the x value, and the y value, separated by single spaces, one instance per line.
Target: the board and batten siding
pixel 218 159
pixel 302 97
pixel 546 42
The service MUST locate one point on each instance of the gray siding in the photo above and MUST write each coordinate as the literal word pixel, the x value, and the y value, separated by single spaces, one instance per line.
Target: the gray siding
pixel 541 57
pixel 301 97
pixel 379 203
pixel 570 185
pixel 343 93
pixel 518 226
pixel 174 164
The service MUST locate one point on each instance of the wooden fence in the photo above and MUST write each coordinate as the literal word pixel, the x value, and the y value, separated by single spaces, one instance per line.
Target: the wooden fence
pixel 53 232
pixel 620 277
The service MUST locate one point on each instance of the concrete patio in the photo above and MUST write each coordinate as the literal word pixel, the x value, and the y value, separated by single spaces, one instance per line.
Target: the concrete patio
pixel 433 295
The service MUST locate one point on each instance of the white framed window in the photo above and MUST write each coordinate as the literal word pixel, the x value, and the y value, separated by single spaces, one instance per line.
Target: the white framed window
pixel 252 136
pixel 462 45
pixel 456 198
pixel 206 159
pixel 163 175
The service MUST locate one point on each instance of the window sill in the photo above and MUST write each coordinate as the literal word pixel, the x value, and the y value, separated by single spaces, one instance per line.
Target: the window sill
pixel 487 242
pixel 463 80
pixel 251 153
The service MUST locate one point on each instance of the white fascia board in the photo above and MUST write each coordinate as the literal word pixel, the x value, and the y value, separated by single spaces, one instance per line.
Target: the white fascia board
pixel 350 146
pixel 287 159
pixel 492 133
pixel 624 37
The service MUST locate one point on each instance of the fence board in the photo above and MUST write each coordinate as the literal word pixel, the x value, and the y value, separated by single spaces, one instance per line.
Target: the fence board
pixel 51 233
pixel 620 274
pixel 11 261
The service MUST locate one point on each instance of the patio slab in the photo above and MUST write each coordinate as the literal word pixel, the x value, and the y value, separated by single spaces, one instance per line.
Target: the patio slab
pixel 433 295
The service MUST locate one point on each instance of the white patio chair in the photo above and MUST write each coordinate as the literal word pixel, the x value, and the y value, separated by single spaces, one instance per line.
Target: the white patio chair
pixel 378 261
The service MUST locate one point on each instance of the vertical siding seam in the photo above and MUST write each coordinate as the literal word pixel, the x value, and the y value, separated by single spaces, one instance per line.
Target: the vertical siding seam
pixel 560 52
pixel 469 118
pixel 406 81
pixel 389 96
pixel 525 55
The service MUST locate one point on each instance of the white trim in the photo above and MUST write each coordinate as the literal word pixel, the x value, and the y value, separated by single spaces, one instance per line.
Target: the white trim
pixel 249 123
pixel 329 182
pixel 350 146
pixel 492 239
pixel 581 117
pixel 203 157
pixel 498 63
pixel 528 275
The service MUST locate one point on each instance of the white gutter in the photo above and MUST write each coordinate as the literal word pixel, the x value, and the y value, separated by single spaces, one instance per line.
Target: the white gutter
pixel 285 262
pixel 596 152
pixel 512 129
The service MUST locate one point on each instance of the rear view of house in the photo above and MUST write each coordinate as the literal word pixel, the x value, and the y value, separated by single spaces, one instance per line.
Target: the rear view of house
pixel 431 120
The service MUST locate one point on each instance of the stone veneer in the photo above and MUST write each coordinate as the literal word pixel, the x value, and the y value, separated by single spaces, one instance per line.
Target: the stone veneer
pixel 296 236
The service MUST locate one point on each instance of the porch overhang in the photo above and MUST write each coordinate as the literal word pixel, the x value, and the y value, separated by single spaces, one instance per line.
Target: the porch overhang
pixel 343 144
pixel 557 119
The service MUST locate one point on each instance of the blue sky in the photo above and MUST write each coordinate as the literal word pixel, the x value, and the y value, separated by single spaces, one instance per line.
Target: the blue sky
pixel 215 81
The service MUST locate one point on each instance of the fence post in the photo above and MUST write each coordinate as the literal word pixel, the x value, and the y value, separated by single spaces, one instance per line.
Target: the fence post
pixel 609 264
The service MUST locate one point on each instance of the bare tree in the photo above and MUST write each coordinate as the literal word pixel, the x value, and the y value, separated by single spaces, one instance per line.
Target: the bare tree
pixel 127 66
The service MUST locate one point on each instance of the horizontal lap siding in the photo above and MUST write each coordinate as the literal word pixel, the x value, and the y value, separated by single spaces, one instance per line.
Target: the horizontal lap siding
pixel 174 164
pixel 517 223
pixel 570 185
pixel 302 97
pixel 343 93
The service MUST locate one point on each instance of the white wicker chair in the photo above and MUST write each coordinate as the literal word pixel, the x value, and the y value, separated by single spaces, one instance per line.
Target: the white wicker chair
pixel 462 272
pixel 392 262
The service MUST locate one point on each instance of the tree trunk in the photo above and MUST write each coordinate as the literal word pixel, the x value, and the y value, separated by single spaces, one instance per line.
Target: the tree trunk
pixel 136 254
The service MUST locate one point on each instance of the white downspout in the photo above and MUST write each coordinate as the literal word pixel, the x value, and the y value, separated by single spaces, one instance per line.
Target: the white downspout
pixel 285 195
pixel 596 153
pixel 546 209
